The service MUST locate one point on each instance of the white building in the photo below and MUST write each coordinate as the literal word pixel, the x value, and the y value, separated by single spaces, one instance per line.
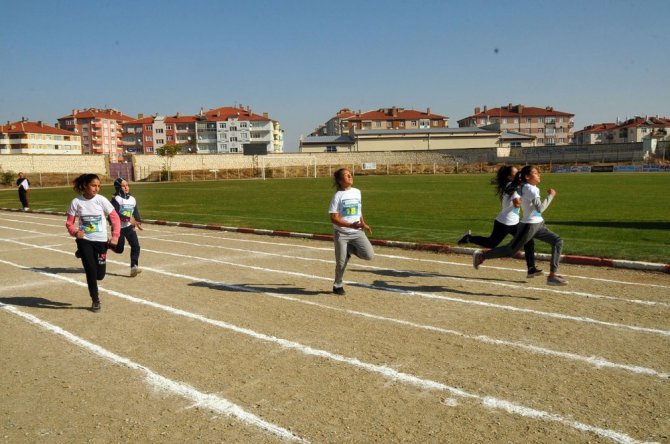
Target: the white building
pixel 26 137
pixel 228 129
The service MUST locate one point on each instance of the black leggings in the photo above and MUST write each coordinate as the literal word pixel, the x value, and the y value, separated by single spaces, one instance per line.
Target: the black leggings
pixel 23 197
pixel 94 258
pixel 500 230
pixel 130 234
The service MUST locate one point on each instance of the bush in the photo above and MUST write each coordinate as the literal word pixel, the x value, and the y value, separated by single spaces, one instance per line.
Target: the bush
pixel 7 177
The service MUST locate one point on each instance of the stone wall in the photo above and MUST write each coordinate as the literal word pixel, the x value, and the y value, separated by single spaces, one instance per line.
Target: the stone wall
pixel 63 164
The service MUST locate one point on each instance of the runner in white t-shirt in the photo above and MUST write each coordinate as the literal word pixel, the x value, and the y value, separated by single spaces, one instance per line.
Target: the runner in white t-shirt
pixel 87 222
pixel 507 220
pixel 126 206
pixel 531 226
pixel 346 214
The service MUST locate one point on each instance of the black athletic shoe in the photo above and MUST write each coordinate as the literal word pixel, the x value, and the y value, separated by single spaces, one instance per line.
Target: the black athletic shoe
pixel 95 306
pixel 339 291
pixel 532 272
pixel 465 238
pixel 77 254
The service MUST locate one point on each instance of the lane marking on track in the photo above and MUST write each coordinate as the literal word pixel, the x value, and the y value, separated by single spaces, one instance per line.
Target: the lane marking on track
pixel 595 361
pixel 405 292
pixel 422 383
pixel 430 274
pixel 200 399
pixel 389 256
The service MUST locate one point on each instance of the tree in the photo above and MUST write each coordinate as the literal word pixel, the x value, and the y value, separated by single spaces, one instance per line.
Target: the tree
pixel 167 152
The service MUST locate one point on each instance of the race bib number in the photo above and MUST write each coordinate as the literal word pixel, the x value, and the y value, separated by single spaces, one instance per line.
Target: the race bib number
pixel 91 224
pixel 126 212
pixel 350 208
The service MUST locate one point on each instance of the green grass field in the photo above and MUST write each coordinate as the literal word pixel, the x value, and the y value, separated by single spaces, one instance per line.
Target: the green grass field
pixel 618 215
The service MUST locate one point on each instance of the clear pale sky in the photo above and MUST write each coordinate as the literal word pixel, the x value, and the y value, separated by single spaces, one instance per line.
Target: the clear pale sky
pixel 303 60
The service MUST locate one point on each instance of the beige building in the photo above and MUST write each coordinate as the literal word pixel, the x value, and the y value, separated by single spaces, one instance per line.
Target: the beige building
pixel 547 125
pixel 596 133
pixel 26 137
pixel 403 140
pixel 637 129
pixel 100 130
pixel 394 118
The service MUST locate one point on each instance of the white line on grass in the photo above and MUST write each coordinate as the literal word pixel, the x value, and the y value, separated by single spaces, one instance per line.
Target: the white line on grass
pixel 206 400
pixel 422 383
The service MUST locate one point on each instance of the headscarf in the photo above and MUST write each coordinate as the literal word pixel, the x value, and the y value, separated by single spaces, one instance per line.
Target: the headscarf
pixel 117 188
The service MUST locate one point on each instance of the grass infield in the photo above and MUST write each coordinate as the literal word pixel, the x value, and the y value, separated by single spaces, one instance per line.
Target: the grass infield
pixel 613 215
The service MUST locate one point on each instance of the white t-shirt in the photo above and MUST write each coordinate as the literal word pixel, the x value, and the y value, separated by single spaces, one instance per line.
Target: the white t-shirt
pixel 348 205
pixel 126 209
pixel 509 215
pixel 531 204
pixel 92 216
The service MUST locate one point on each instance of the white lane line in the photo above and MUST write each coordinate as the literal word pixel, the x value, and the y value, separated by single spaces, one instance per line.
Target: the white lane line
pixel 406 258
pixel 596 361
pixel 200 399
pixel 223 236
pixel 427 295
pixel 403 292
pixel 422 383
pixel 433 275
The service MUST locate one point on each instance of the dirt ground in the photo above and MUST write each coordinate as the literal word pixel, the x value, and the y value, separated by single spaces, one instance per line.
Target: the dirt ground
pixel 226 337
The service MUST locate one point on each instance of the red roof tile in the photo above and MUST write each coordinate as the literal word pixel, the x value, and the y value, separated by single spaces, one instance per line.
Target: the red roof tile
pixel 33 127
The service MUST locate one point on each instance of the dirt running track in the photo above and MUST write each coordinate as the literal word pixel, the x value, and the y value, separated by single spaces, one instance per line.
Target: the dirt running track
pixel 227 337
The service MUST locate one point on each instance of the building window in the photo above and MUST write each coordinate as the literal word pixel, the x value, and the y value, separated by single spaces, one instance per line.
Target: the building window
pixel 414 123
pixel 233 139
pixel 436 123
pixel 367 125
pixel 160 141
pixel 149 139
pixel 504 120
pixel 378 124
pixel 540 120
pixel 389 124
pixel 159 130
pixel 222 125
pixel 515 144
pixel 170 138
pixel 168 127
pixel 148 127
pixel 331 149
pixel 529 120
pixel 402 124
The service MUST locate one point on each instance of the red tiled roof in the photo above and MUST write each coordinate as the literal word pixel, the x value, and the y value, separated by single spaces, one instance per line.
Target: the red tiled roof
pixel 387 114
pixel 519 111
pixel 596 128
pixel 226 112
pixel 94 113
pixel 33 127
pixel 141 121
pixel 637 122
pixel 181 119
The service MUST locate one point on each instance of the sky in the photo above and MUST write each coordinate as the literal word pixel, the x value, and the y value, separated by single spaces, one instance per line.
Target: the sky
pixel 303 60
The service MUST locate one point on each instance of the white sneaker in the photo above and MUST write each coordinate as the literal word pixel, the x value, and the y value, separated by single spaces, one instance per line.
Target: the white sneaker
pixel 477 259
pixel 135 270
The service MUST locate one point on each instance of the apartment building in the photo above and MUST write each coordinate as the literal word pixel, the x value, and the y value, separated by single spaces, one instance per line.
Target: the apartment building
pixel 101 130
pixel 27 137
pixel 596 133
pixel 146 134
pixel 547 125
pixel 228 129
pixel 632 130
pixel 394 118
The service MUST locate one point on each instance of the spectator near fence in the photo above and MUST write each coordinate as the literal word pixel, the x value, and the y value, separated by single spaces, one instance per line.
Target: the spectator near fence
pixel 24 186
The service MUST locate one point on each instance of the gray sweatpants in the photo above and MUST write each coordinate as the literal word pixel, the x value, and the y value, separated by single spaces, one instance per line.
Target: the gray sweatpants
pixel 347 244
pixel 524 233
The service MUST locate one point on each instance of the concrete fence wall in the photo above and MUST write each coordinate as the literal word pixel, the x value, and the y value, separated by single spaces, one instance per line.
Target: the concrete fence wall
pixel 45 163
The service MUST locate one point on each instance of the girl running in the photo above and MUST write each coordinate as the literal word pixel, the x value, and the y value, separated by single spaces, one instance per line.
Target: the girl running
pixel 126 206
pixel 90 230
pixel 531 226
pixel 347 217
pixel 507 220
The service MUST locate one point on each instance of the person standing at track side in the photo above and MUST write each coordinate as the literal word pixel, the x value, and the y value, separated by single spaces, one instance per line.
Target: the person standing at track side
pixel 531 226
pixel 24 187
pixel 126 206
pixel 87 223
pixel 507 220
pixel 346 214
